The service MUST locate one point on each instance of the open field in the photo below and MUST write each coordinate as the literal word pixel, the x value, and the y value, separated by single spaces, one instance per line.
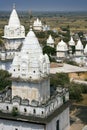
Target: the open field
pixel 84 101
pixel 78 117
pixel 78 114
pixel 76 20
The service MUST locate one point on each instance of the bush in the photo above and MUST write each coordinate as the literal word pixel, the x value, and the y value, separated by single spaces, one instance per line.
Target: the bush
pixel 15 111
pixel 83 88
pixel 59 79
pixel 75 92
pixel 62 80
pixel 4 79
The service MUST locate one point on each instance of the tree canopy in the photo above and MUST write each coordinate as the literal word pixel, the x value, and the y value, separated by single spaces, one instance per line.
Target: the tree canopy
pixel 4 79
pixel 62 80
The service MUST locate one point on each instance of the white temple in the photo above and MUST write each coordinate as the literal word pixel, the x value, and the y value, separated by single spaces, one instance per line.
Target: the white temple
pixel 61 49
pixel 37 25
pixel 50 41
pixel 79 48
pixel 14 34
pixel 71 42
pixel 71 46
pixel 30 64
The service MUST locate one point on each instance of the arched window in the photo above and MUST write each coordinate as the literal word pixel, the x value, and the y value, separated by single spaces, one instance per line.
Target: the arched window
pixel 34 111
pixel 25 110
pixel 7 107
pixel 42 112
pixel 16 129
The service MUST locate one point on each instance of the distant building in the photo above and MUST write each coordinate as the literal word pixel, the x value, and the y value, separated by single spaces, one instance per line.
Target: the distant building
pixel 37 25
pixel 46 28
pixel 71 45
pixel 79 48
pixel 61 49
pixel 50 41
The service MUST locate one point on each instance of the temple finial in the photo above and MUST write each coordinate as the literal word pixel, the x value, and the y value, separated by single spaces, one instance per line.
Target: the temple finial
pixel 14 5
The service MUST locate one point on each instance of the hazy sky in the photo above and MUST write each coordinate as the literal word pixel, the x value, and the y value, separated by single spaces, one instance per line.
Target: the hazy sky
pixel 42 5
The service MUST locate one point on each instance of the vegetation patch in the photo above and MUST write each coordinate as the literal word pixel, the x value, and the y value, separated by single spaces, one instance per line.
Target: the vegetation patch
pixel 62 80
pixel 4 79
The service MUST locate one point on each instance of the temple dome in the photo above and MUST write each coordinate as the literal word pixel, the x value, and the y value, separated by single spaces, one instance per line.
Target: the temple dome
pixel 71 42
pixel 37 22
pixel 62 46
pixel 79 45
pixel 37 25
pixel 50 40
pixel 14 20
pixel 14 30
pixel 30 61
pixel 31 43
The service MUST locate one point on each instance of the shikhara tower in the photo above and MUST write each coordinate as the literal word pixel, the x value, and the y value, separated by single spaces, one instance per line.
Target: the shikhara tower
pixel 31 68
pixel 61 49
pixel 50 41
pixel 14 34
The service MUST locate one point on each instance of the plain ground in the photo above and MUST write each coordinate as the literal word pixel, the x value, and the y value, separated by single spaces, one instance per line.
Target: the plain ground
pixel 78 114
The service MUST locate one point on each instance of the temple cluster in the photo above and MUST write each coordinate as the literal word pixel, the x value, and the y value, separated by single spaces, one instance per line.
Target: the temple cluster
pixel 29 101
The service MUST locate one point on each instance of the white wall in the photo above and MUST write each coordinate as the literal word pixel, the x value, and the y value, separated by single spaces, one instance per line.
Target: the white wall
pixel 32 91
pixel 14 125
pixel 63 121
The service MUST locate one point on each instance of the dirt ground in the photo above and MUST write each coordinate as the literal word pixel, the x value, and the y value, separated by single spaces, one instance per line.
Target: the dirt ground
pixel 78 117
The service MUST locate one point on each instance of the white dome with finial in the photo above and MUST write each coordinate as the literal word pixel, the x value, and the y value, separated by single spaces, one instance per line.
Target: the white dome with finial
pixel 37 22
pixel 14 29
pixel 31 44
pixel 71 42
pixel 37 25
pixel 79 45
pixel 62 46
pixel 50 40
pixel 30 62
pixel 14 19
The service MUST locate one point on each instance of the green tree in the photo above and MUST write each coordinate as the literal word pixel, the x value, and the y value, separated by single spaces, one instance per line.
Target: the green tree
pixel 59 79
pixel 4 79
pixel 49 51
pixel 75 92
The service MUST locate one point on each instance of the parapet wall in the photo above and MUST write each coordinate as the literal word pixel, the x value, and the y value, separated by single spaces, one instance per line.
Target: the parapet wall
pixel 42 111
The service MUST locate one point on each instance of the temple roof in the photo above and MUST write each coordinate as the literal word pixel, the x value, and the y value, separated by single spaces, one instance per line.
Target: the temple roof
pixel 14 19
pixel 37 22
pixel 72 42
pixel 79 45
pixel 62 46
pixel 31 43
pixel 50 39
pixel 30 61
